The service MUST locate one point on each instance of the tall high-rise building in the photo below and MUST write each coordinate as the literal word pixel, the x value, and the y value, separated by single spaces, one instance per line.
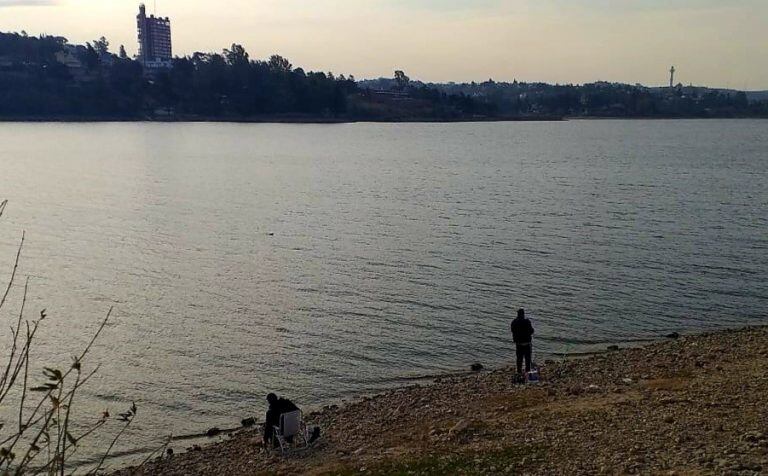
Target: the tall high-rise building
pixel 154 40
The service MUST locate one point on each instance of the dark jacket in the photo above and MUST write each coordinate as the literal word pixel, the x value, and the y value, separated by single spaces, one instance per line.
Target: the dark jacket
pixel 522 331
pixel 282 405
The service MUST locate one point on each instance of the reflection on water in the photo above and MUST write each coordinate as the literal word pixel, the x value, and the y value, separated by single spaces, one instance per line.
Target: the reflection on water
pixel 322 261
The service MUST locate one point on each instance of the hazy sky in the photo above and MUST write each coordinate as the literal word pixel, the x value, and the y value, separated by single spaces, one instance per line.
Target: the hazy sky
pixel 715 43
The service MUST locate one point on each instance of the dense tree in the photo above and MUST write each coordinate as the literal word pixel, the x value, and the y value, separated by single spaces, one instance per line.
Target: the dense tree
pixel 227 85
pixel 41 77
pixel 237 56
pixel 595 99
pixel 26 49
pixel 278 63
pixel 101 46
pixel 401 80
pixel 90 57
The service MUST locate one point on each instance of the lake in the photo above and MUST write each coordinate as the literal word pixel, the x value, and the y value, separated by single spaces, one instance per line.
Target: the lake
pixel 326 261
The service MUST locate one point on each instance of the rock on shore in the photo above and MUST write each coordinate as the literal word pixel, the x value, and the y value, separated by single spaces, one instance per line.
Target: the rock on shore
pixel 693 405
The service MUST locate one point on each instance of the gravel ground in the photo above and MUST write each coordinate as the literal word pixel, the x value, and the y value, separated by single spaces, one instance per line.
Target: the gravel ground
pixel 691 405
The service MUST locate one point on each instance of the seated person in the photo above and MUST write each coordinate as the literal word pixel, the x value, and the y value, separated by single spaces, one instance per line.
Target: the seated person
pixel 277 406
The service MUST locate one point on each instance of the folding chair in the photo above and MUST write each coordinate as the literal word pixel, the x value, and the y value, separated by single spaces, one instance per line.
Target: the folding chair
pixel 291 426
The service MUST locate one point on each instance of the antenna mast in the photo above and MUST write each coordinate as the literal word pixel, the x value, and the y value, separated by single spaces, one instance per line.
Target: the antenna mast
pixel 672 77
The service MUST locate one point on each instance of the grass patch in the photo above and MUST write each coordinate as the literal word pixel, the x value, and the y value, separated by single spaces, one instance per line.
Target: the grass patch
pixel 511 460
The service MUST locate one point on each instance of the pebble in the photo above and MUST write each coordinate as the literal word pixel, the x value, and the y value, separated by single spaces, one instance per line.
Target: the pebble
pixel 577 424
pixel 459 427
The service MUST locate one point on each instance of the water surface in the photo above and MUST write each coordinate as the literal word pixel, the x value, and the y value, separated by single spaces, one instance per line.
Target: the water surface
pixel 322 261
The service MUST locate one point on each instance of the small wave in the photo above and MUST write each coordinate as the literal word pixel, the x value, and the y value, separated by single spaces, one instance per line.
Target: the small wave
pixel 575 341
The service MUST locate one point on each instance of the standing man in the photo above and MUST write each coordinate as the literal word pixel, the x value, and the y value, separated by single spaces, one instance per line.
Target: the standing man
pixel 522 331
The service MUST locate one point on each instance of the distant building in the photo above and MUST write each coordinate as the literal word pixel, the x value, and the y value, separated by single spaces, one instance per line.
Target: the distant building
pixel 388 95
pixel 154 40
pixel 70 56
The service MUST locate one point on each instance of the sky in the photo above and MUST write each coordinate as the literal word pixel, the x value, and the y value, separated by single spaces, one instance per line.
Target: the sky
pixel 711 43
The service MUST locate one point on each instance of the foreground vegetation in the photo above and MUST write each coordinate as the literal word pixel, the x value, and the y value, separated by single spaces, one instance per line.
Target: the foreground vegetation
pixel 38 400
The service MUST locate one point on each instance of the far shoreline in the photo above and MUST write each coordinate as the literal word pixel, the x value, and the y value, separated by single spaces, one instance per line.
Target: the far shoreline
pixel 273 120
pixel 333 121
pixel 634 400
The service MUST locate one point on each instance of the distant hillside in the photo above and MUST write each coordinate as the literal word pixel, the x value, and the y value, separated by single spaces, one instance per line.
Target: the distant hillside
pixel 600 99
pixel 49 78
pixel 757 95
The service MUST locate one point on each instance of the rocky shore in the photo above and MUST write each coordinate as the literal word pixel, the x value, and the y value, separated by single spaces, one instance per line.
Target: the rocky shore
pixel 687 405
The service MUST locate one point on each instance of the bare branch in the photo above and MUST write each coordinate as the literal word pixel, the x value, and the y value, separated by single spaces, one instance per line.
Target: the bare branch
pixel 24 387
pixel 14 330
pixel 111 445
pixel 28 456
pixel 160 450
pixel 13 273
pixel 95 336
pixel 67 436
pixel 49 418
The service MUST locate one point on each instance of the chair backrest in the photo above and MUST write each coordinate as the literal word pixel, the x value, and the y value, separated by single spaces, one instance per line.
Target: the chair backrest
pixel 290 423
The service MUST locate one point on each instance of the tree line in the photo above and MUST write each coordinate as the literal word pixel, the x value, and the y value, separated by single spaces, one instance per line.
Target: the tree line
pixel 600 99
pixel 46 77
pixel 34 81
